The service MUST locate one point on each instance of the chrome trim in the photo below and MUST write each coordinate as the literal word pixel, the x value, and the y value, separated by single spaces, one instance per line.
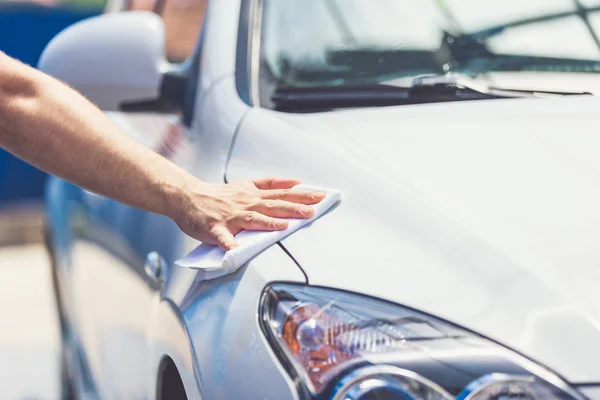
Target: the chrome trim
pixel 356 392
pixel 486 381
pixel 242 52
pixel 255 24
pixel 348 388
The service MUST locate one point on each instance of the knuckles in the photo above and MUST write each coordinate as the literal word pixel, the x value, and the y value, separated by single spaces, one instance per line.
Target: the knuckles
pixel 250 217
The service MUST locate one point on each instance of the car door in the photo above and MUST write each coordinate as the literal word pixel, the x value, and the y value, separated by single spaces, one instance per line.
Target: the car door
pixel 114 246
pixel 112 295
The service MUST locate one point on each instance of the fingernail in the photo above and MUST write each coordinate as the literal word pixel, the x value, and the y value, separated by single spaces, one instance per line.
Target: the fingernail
pixel 318 195
pixel 305 210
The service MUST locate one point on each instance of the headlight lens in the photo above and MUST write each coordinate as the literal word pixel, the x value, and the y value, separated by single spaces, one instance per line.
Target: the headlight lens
pixel 383 382
pixel 331 340
pixel 501 386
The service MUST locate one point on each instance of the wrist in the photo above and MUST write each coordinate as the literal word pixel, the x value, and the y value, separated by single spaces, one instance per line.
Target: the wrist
pixel 173 197
pixel 177 195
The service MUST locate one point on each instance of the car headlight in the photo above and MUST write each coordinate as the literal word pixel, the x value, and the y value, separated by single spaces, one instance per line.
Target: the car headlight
pixel 346 346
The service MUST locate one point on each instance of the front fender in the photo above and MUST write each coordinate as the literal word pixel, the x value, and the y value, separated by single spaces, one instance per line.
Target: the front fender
pixel 233 358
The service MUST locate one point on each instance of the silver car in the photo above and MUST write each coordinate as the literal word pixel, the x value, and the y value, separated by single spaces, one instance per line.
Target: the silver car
pixel 462 262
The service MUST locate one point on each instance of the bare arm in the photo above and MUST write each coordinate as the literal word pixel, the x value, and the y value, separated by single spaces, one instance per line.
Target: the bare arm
pixel 54 128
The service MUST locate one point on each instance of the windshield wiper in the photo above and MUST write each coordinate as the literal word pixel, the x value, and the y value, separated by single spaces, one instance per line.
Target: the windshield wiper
pixel 311 98
pixel 422 89
pixel 578 11
pixel 464 81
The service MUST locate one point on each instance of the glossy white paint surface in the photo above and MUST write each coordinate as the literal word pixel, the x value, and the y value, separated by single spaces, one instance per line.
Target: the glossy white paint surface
pixel 486 214
pixel 111 59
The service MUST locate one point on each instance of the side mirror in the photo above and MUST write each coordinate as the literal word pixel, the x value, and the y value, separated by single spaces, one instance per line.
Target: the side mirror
pixel 113 59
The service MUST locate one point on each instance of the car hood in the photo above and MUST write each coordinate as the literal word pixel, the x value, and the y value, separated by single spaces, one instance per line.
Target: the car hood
pixel 484 213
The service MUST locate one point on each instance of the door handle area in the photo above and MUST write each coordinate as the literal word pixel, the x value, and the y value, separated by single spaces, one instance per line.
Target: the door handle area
pixel 156 267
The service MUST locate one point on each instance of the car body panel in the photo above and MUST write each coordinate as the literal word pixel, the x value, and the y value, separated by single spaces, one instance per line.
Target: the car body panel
pixel 483 213
pixel 234 359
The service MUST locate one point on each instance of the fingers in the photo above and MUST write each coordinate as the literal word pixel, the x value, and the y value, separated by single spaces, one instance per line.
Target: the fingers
pixel 259 205
pixel 283 209
pixel 294 196
pixel 224 238
pixel 281 189
pixel 251 221
pixel 275 183
pixel 254 221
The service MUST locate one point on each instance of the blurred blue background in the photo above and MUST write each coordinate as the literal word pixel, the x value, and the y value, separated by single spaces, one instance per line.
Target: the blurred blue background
pixel 25 29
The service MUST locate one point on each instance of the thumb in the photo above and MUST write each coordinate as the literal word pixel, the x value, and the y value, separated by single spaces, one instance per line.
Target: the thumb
pixel 224 238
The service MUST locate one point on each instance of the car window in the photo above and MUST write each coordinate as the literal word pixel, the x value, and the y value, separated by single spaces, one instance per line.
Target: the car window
pixel 183 21
pixel 350 42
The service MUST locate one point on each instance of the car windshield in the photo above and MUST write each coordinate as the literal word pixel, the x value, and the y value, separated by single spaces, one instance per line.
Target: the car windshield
pixel 332 43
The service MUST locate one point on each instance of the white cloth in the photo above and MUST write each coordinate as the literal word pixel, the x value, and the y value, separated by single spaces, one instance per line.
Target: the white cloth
pixel 216 263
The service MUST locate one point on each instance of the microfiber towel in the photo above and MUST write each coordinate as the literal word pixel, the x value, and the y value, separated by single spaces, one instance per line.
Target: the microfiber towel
pixel 215 262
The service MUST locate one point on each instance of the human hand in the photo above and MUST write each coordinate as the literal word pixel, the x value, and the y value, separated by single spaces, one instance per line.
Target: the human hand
pixel 215 213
